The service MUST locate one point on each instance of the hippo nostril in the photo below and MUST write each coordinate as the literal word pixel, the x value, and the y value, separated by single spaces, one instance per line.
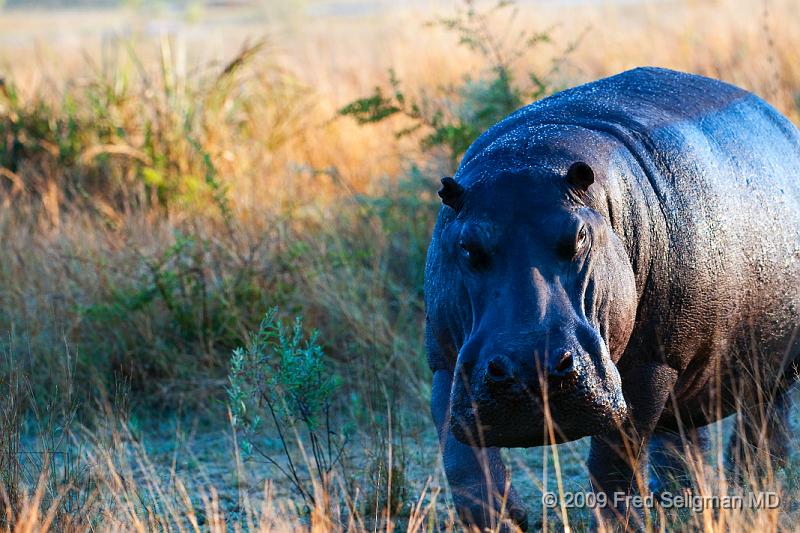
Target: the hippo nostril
pixel 498 370
pixel 564 365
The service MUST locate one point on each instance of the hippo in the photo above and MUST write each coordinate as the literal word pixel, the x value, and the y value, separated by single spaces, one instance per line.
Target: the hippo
pixel 619 261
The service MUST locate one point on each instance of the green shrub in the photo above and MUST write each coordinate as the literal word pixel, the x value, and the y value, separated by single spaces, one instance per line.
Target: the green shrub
pixel 282 375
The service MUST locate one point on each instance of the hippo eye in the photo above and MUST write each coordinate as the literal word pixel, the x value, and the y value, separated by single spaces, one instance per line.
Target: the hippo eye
pixel 571 244
pixel 580 240
pixel 474 254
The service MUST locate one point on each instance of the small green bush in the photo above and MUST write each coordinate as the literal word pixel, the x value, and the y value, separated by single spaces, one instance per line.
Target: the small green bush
pixel 282 375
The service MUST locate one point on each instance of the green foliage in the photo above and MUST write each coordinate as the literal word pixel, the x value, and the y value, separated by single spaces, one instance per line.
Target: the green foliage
pixel 196 296
pixel 281 374
pixel 35 129
pixel 374 108
pixel 454 122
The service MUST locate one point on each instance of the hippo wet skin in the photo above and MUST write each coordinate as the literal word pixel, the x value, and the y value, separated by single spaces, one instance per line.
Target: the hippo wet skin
pixel 621 261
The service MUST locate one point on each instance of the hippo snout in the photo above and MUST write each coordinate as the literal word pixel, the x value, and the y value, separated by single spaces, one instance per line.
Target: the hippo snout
pixel 508 399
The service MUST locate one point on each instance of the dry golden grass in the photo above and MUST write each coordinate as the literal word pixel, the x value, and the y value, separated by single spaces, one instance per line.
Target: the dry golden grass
pixel 293 173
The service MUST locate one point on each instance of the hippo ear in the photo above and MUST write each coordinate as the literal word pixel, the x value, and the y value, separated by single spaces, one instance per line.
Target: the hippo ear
pixel 580 175
pixel 451 193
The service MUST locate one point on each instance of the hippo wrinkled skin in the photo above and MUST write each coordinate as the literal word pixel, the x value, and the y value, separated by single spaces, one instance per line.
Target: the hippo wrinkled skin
pixel 622 260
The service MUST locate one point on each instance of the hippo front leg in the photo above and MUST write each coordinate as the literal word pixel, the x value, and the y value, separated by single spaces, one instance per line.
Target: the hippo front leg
pixel 618 465
pixel 477 476
pixel 618 469
pixel 671 455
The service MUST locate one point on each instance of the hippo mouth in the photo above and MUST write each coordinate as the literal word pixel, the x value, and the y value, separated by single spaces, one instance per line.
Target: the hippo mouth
pixel 526 423
pixel 582 406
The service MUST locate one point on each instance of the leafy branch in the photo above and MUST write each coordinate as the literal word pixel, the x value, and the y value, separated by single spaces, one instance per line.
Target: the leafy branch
pixel 469 109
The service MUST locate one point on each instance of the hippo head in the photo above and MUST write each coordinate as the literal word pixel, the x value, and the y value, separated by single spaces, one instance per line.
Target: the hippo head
pixel 552 298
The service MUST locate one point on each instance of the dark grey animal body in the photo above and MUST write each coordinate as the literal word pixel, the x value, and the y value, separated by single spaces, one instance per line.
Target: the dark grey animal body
pixel 623 257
